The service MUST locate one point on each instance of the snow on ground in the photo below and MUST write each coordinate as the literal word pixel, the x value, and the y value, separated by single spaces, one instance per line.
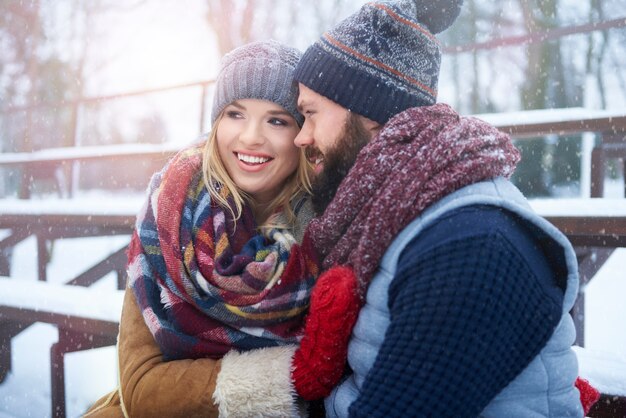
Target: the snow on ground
pixel 92 373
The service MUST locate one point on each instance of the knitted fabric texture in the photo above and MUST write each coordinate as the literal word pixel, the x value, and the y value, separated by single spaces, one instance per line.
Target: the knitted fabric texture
pixel 258 70
pixel 206 283
pixel 468 315
pixel 319 362
pixel 420 156
pixel 381 60
pixel 588 394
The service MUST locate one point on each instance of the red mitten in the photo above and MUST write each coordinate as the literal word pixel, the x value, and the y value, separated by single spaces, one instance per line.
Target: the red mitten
pixel 320 361
pixel 588 394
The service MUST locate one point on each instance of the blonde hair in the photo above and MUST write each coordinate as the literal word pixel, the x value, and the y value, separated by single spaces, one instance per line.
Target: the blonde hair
pixel 220 185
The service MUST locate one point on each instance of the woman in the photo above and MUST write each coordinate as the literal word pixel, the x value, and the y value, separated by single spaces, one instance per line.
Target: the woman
pixel 218 265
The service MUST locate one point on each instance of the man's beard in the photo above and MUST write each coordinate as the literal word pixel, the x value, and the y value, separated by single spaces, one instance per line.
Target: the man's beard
pixel 338 161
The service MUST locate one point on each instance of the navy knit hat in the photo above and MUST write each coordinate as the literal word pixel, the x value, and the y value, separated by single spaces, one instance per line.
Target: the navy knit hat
pixel 258 70
pixel 381 60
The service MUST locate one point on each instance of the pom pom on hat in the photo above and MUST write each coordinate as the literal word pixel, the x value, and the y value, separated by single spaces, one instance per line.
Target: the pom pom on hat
pixel 438 15
pixel 381 60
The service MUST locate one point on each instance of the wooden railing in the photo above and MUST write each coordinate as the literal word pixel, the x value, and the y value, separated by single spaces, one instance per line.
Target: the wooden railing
pixel 46 160
pixel 610 125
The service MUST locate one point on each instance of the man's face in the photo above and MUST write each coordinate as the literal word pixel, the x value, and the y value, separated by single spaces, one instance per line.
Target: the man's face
pixel 323 124
pixel 334 137
pixel 338 161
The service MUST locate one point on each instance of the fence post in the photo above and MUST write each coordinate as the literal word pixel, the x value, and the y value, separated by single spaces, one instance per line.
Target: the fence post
pixel 203 106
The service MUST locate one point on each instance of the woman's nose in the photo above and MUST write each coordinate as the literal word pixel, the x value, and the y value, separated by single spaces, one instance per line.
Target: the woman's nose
pixel 252 134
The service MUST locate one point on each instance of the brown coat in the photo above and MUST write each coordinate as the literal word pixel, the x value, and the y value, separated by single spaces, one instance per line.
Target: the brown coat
pixel 150 386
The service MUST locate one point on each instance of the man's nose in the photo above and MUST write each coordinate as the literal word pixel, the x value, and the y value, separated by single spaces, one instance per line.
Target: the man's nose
pixel 305 136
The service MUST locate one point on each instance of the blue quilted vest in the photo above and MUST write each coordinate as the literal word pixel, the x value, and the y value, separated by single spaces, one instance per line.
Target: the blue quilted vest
pixel 545 388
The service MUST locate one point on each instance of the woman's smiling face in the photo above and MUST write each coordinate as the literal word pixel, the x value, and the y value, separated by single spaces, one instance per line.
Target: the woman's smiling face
pixel 255 143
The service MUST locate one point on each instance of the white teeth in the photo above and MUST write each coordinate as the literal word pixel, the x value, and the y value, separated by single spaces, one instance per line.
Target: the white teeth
pixel 252 159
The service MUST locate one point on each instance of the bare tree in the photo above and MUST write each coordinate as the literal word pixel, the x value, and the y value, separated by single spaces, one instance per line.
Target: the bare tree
pixel 294 22
pixel 596 50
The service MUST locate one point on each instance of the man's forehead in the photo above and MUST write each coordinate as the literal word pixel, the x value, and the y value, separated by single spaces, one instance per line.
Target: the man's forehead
pixel 308 97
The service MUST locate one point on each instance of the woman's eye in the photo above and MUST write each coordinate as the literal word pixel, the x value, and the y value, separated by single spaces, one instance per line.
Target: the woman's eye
pixel 278 122
pixel 233 114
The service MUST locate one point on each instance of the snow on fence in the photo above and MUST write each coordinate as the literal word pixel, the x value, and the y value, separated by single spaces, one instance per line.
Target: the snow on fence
pixel 85 319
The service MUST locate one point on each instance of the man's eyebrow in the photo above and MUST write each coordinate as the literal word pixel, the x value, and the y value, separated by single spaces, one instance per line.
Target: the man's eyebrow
pixel 302 104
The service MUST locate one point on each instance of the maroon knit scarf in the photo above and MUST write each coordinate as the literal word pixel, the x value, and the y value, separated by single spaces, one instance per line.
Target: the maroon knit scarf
pixel 420 156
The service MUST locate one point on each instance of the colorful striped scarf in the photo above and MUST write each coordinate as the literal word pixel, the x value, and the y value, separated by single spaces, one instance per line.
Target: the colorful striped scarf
pixel 206 283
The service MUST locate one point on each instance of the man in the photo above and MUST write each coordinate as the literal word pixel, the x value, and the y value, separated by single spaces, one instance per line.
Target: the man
pixel 467 290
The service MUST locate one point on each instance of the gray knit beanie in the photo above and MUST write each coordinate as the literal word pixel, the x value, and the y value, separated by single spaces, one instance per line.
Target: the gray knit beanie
pixel 258 70
pixel 381 60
